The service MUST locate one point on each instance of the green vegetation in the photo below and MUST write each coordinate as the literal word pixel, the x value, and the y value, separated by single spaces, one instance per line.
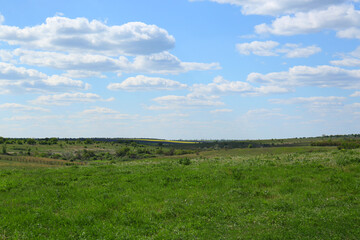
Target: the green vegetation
pixel 128 190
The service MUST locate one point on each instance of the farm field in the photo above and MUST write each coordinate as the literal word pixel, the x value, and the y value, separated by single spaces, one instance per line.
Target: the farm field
pixel 281 192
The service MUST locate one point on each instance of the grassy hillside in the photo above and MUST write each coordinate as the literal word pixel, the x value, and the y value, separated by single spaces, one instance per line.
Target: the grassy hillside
pixel 253 193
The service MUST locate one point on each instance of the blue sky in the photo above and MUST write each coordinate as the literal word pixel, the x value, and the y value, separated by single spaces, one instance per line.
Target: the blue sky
pixel 182 69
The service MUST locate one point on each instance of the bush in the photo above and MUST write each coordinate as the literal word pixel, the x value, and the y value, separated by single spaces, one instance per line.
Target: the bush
pixel 185 161
pixel 122 152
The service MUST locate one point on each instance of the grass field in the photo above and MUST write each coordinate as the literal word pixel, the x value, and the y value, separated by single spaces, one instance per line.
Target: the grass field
pixel 258 193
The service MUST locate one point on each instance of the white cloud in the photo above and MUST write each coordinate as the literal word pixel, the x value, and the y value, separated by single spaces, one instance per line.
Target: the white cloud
pixel 293 51
pixel 77 64
pixel 99 110
pixel 262 113
pixel 221 86
pixel 101 113
pixel 320 105
pixel 355 94
pixel 68 98
pixel 257 48
pixel 2 19
pixel 331 100
pixel 347 62
pixel 21 107
pixel 83 74
pixel 338 17
pixel 72 61
pixel 320 76
pixel 19 79
pixel 144 83
pixel 6 55
pixel 276 7
pixel 351 59
pixel 34 118
pixel 187 101
pixel 222 110
pixel 269 48
pixel 84 36
pixel 10 72
pixel 166 63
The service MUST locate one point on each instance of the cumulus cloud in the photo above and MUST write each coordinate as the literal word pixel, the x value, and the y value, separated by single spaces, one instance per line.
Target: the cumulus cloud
pixel 355 94
pixel 277 7
pixel 296 51
pixel 319 101
pixel 166 63
pixel 222 110
pixel 72 61
pixel 337 17
pixel 351 59
pixel 269 48
pixel 99 110
pixel 20 79
pixel 221 86
pixel 21 107
pixel 10 72
pixel 77 64
pixel 320 76
pixel 144 83
pixel 262 113
pixel 322 105
pixel 81 35
pixel 187 101
pixel 101 113
pixel 68 98
pixel 34 118
pixel 2 19
pixel 257 48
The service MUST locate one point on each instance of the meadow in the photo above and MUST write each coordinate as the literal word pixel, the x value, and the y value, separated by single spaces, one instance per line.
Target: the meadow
pixel 161 191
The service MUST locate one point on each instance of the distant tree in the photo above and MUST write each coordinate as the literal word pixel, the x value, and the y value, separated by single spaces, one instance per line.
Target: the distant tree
pixel 2 140
pixel 4 150
pixel 88 141
pixel 31 141
pixel 53 141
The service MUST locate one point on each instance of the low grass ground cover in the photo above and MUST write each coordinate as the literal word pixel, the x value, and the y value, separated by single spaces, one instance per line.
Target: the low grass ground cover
pixel 284 194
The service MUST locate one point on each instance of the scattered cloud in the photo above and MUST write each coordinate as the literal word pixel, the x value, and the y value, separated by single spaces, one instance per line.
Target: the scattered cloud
pixel 277 7
pixel 100 110
pixel 144 83
pixel 221 86
pixel 77 63
pixel 84 36
pixel 269 48
pixel 34 118
pixel 351 59
pixel 2 19
pixel 19 79
pixel 257 48
pixel 101 113
pixel 68 98
pixel 20 107
pixel 321 105
pixel 187 101
pixel 320 76
pixel 166 63
pixel 222 110
pixel 335 17
pixel 355 94
pixel 332 100
pixel 296 51
pixel 262 113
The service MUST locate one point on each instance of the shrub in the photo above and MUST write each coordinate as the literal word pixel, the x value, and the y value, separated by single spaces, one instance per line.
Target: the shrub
pixel 185 161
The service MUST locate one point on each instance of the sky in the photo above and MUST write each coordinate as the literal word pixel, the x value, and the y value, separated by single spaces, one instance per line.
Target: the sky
pixel 179 69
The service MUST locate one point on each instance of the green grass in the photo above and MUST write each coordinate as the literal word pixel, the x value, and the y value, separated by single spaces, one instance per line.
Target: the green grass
pixel 287 193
